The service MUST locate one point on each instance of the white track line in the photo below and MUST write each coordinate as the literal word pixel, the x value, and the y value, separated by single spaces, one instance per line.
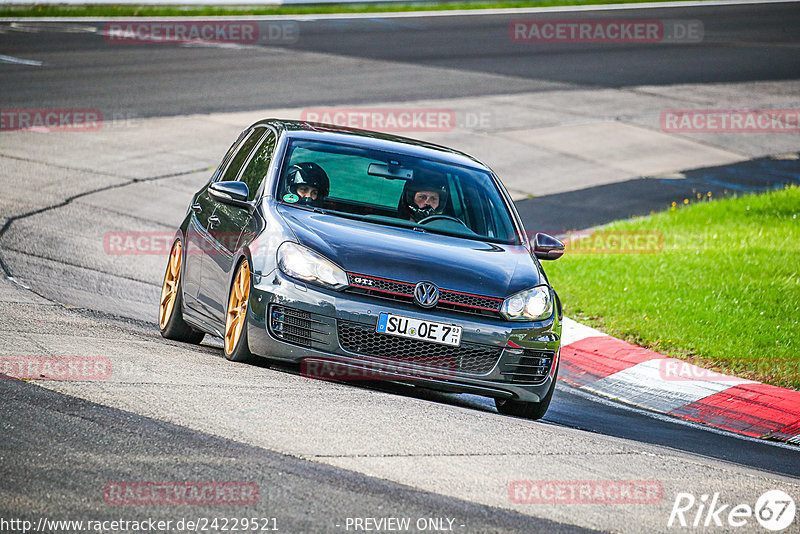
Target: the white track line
pixel 574 331
pixel 19 61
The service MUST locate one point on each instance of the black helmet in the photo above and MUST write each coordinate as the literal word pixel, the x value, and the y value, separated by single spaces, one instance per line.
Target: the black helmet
pixel 310 174
pixel 424 180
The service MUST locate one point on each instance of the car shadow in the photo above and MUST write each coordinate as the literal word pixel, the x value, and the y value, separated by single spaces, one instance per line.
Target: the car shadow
pixel 573 408
pixel 593 206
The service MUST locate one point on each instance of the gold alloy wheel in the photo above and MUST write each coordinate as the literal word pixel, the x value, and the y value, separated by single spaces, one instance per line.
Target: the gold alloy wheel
pixel 169 291
pixel 237 307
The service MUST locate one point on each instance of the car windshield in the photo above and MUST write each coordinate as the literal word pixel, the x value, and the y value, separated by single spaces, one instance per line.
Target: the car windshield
pixel 395 189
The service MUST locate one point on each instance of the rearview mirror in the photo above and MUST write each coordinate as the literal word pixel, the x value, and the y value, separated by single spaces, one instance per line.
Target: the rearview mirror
pixel 231 193
pixel 546 247
pixel 393 172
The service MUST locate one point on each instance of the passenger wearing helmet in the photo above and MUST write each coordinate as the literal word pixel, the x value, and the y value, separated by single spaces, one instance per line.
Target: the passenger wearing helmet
pixel 306 184
pixel 423 196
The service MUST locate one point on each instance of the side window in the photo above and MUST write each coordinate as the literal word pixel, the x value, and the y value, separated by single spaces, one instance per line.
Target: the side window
pixel 256 170
pixel 245 148
pixel 349 178
pixel 228 156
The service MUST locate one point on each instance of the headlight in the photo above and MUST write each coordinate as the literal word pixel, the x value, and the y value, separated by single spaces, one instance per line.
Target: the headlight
pixel 300 262
pixel 529 305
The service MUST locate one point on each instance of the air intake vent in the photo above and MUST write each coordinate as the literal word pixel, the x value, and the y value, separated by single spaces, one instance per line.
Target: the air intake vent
pixel 532 368
pixel 296 326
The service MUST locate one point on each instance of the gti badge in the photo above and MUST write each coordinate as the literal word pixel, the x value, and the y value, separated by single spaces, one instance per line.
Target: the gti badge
pixel 426 294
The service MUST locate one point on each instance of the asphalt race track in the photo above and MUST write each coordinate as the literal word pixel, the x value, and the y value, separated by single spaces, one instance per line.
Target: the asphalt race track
pixel 321 453
pixel 393 59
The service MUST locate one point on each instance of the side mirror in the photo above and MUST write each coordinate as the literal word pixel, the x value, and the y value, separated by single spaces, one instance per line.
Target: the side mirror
pixel 231 193
pixel 546 247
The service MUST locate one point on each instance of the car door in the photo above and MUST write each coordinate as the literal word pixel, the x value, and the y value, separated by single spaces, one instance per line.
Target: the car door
pixel 197 236
pixel 249 166
pixel 254 175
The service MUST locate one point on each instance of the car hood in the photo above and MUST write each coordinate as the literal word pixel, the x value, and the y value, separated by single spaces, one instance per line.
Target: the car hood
pixel 406 255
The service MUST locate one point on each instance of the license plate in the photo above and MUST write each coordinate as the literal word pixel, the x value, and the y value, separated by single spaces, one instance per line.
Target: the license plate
pixel 397 325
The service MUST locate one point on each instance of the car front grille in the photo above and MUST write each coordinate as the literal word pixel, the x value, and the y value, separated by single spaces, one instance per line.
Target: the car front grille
pixel 296 326
pixel 532 368
pixel 469 358
pixel 404 292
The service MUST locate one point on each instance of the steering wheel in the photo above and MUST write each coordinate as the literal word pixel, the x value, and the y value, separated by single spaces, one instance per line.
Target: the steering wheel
pixel 432 218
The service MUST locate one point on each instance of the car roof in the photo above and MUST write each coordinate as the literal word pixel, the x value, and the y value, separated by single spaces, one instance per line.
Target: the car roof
pixel 374 140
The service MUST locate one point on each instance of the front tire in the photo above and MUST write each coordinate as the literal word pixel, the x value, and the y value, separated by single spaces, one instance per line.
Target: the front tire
pixel 236 346
pixel 526 410
pixel 170 314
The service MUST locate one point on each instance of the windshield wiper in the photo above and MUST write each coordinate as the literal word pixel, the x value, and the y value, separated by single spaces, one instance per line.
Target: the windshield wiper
pixel 371 219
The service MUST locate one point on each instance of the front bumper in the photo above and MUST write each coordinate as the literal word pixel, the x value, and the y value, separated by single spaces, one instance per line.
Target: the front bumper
pixel 295 322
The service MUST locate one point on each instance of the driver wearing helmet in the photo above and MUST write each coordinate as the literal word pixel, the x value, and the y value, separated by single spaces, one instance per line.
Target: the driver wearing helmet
pixel 423 196
pixel 307 184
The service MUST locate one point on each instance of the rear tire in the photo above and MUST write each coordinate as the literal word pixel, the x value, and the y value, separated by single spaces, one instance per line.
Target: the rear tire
pixel 526 410
pixel 170 314
pixel 236 348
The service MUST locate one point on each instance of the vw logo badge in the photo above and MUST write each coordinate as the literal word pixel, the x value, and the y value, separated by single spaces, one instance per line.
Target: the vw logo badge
pixel 426 294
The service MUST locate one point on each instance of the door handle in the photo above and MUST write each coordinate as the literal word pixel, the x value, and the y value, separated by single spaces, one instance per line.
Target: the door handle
pixel 213 221
pixel 197 208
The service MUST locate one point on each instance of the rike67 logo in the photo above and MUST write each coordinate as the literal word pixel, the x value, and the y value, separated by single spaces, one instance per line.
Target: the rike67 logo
pixel 774 510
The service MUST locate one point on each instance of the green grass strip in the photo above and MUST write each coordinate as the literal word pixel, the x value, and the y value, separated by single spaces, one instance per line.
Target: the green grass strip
pixel 723 292
pixel 115 10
